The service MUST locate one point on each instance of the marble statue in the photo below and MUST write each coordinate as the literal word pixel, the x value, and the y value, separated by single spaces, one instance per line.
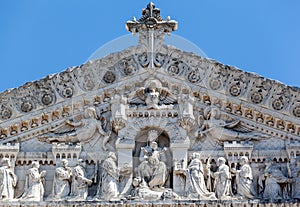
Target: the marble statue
pixel 195 183
pixel 271 180
pixel 244 180
pixel 293 172
pixel 296 187
pixel 222 184
pixel 61 182
pixel 227 128
pixel 141 191
pixel 34 184
pixel 86 129
pixel 152 169
pixel 108 188
pixel 8 181
pixel 154 96
pixel 80 183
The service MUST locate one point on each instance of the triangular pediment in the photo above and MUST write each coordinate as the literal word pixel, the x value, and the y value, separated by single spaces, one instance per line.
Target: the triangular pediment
pixel 266 103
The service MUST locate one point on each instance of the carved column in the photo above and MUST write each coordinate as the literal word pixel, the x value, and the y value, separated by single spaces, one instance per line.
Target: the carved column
pixel 180 159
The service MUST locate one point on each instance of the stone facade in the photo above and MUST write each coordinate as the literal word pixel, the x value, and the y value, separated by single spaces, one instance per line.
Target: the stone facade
pixel 154 123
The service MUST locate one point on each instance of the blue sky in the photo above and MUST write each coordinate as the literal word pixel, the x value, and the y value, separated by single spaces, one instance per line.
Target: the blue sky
pixel 41 37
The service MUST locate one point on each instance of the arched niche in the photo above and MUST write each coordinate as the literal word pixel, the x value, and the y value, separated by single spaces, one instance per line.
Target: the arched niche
pixel 163 140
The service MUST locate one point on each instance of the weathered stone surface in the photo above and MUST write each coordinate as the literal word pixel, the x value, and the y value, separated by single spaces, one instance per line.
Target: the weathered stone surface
pixel 211 128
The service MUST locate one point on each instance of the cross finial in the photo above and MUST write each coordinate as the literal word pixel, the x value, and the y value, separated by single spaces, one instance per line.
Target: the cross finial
pixel 151 19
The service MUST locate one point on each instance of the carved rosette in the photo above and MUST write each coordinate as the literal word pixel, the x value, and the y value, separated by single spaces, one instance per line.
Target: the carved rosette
pixel 280 97
pixel 237 83
pixel 45 93
pixel 217 78
pixel 24 99
pixel 5 112
pixel 176 67
pixel 109 77
pixel 194 75
pixel 64 84
pixel 127 66
pixel 260 90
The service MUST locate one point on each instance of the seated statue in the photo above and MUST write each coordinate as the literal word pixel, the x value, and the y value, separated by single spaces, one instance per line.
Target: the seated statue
pixel 34 184
pixel 8 181
pixel 226 128
pixel 152 170
pixel 83 131
pixel 270 181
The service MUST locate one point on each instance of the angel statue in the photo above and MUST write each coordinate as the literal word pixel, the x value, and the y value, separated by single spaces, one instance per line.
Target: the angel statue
pixel 153 96
pixel 82 131
pixel 225 128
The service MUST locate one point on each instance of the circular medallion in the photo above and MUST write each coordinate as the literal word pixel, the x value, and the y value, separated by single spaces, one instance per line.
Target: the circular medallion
pixel 109 77
pixel 47 99
pixel 256 97
pixel 277 104
pixel 194 77
pixel 67 92
pixel 5 113
pixel 215 84
pixel 296 111
pixel 235 90
pixel 26 106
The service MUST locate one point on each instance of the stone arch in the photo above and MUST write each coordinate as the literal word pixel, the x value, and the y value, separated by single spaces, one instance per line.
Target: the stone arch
pixel 128 134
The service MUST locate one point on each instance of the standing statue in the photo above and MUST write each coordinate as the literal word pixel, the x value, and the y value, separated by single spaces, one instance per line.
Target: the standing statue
pixel 79 187
pixel 296 187
pixel 244 180
pixel 34 184
pixel 270 181
pixel 61 181
pixel 8 181
pixel 195 184
pixel 108 189
pixel 152 170
pixel 87 129
pixel 227 128
pixel 222 180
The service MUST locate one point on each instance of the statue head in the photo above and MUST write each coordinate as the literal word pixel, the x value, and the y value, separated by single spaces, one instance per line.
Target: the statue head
pixel 6 162
pixel 244 160
pixel 64 162
pixel 112 155
pixel 152 135
pixel 153 145
pixel 90 112
pixel 80 162
pixel 196 155
pixel 221 161
pixel 35 164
